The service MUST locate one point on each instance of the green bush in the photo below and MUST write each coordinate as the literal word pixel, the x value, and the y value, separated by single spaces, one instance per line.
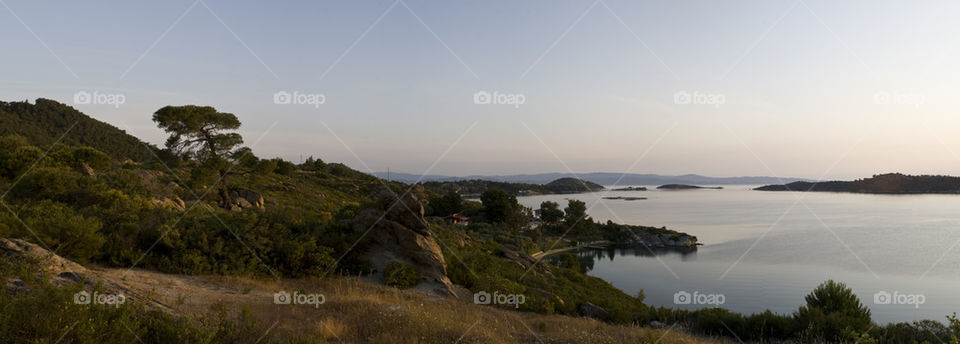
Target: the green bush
pixel 400 275
pixel 62 229
pixel 833 313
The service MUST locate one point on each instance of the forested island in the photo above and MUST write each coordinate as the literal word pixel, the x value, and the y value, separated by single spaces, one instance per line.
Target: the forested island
pixel 890 183
pixel 475 187
pixel 686 187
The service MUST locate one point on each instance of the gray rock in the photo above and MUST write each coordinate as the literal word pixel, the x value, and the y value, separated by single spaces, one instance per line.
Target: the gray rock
pixel 591 311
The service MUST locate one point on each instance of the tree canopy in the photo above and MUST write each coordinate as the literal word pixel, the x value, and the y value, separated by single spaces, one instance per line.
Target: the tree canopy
pixel 200 131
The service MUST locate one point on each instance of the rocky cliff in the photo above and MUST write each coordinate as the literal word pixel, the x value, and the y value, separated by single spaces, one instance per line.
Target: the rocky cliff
pixel 398 232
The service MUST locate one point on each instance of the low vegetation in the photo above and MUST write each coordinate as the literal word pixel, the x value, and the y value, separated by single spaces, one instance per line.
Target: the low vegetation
pixel 178 210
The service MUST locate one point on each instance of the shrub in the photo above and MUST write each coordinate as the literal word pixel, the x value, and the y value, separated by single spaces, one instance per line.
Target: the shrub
pixel 400 275
pixel 285 168
pixel 833 313
pixel 63 230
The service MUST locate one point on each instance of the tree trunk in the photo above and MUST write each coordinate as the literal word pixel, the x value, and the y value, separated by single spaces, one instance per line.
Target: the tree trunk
pixel 225 199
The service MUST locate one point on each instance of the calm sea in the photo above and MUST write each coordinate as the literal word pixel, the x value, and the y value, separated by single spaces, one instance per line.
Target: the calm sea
pixel 766 250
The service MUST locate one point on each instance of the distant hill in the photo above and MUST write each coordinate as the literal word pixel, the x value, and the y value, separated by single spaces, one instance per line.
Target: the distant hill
pixel 891 183
pixel 602 178
pixel 47 120
pixel 477 186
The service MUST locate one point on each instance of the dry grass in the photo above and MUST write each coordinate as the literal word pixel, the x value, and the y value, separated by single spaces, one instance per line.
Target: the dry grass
pixel 359 312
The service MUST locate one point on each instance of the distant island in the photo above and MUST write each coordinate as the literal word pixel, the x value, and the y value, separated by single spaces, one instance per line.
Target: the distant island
pixel 602 178
pixel 686 187
pixel 626 198
pixel 631 188
pixel 476 187
pixel 890 183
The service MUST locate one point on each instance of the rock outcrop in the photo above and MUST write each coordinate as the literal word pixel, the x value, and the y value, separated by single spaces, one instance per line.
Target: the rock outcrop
pixel 640 236
pixel 174 203
pixel 590 310
pixel 524 260
pixel 398 231
pixel 245 199
pixel 62 271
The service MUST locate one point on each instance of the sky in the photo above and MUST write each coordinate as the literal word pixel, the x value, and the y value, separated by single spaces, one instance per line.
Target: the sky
pixel 814 89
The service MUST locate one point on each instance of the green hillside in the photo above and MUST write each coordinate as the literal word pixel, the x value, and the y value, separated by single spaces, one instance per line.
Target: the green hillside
pixel 45 121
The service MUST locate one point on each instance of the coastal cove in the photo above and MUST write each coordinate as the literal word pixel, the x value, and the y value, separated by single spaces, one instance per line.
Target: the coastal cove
pixel 763 251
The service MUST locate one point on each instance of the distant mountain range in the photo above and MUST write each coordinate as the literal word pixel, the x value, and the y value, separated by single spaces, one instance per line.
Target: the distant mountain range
pixel 602 178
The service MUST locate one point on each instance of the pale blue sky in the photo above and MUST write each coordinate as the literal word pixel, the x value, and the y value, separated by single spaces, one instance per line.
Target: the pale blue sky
pixel 848 88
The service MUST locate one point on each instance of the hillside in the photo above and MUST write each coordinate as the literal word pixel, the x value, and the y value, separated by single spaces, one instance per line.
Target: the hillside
pixel 227 212
pixel 43 122
pixel 891 183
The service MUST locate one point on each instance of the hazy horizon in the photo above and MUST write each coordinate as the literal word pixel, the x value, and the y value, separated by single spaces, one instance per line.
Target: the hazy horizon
pixel 810 89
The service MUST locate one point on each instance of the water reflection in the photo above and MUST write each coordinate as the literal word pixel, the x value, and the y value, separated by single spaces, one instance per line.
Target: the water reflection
pixel 589 256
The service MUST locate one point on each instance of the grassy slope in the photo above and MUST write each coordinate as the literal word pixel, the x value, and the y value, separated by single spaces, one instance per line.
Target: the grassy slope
pixel 357 311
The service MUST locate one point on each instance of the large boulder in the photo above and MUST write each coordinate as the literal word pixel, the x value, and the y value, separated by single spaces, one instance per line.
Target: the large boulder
pixel 590 310
pixel 405 209
pixel 398 232
pixel 246 199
